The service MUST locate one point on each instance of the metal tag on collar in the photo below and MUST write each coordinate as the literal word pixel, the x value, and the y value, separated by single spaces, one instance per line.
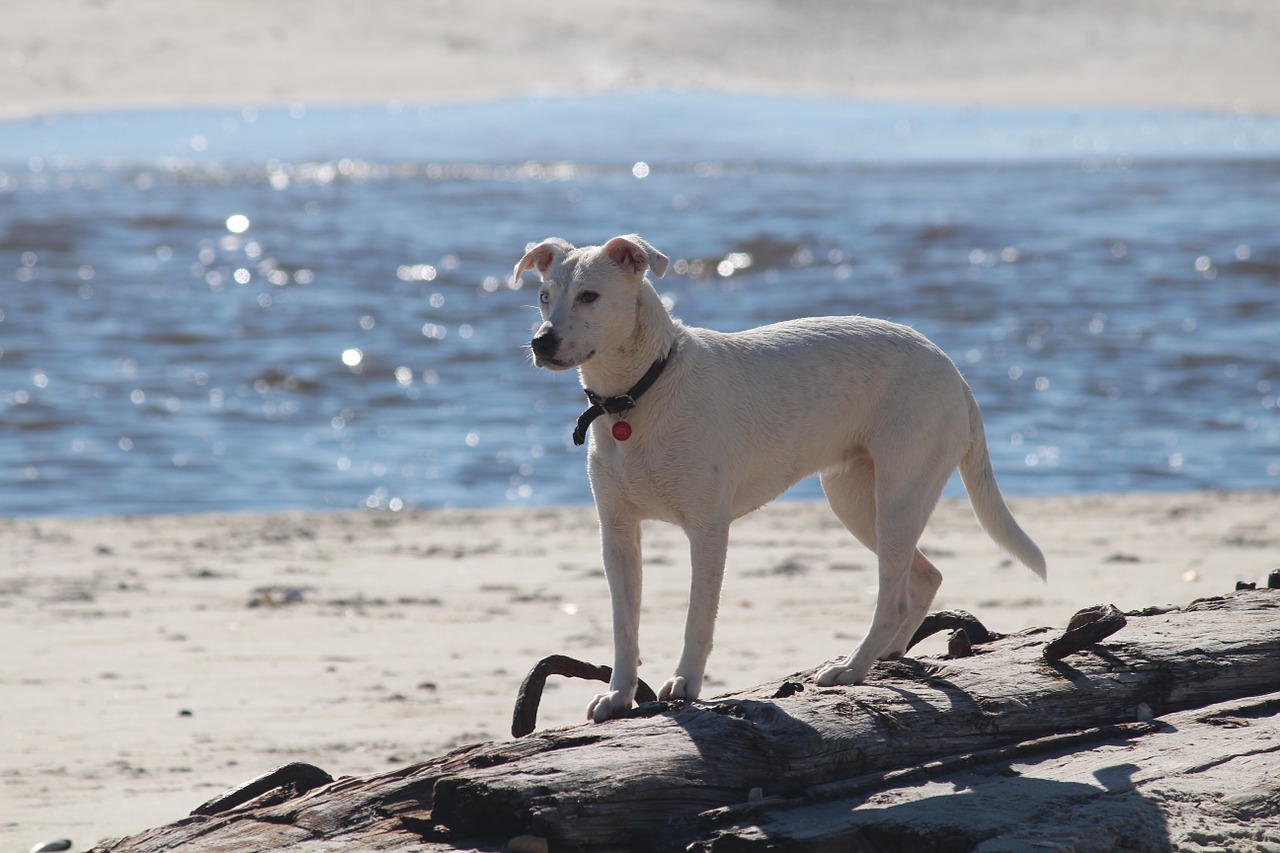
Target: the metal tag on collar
pixel 621 430
pixel 619 404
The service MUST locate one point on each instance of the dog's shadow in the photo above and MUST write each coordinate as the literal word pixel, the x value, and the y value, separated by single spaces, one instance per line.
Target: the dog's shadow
pixel 748 743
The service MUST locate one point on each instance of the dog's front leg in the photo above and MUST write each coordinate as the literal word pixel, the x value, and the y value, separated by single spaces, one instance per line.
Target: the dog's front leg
pixel 707 547
pixel 620 541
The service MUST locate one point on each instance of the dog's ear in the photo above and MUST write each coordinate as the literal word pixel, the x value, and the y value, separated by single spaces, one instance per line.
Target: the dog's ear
pixel 634 255
pixel 542 256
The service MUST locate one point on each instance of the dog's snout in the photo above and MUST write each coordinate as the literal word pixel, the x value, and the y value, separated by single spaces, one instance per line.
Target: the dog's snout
pixel 545 343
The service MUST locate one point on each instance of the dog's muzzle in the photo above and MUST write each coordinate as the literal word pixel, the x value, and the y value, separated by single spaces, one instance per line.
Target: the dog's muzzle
pixel 545 344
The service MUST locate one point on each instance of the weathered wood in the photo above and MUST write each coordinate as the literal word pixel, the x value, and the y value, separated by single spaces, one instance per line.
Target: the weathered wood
pixel 283 783
pixel 524 719
pixel 672 775
pixel 953 620
pixel 1088 627
pixel 1196 780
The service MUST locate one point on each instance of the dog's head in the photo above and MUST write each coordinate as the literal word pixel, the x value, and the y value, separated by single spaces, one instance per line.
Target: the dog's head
pixel 588 296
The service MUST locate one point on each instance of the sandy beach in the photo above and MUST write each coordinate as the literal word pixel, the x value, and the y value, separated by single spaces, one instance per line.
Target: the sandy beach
pixel 155 661
pixel 92 54
pixel 162 660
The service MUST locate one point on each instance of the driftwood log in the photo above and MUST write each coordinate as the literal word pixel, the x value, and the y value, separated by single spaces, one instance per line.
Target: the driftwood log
pixel 1164 736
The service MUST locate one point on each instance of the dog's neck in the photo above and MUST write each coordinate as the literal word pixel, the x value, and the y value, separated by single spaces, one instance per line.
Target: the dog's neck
pixel 617 369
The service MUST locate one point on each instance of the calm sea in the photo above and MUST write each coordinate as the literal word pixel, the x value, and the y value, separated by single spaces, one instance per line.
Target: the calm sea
pixel 258 309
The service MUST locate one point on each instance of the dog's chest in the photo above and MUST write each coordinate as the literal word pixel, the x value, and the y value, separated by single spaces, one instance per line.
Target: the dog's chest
pixel 636 474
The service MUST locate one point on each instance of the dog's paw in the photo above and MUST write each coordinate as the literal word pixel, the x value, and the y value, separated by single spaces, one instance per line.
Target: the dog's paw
pixel 606 706
pixel 838 673
pixel 679 687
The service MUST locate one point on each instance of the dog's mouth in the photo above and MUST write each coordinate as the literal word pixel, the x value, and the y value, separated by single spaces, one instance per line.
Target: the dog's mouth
pixel 560 364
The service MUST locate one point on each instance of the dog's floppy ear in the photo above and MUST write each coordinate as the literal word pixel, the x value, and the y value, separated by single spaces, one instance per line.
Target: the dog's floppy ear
pixel 543 255
pixel 634 255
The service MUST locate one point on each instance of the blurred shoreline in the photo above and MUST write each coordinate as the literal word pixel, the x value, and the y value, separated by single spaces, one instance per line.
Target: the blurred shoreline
pixel 72 55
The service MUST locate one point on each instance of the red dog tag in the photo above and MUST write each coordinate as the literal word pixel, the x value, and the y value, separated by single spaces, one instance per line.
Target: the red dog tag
pixel 622 430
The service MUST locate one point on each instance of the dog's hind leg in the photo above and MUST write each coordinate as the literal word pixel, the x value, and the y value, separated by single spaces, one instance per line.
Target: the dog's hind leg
pixel 908 581
pixel 923 584
pixel 850 491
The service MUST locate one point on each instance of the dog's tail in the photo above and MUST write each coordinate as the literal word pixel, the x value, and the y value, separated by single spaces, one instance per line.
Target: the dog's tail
pixel 988 504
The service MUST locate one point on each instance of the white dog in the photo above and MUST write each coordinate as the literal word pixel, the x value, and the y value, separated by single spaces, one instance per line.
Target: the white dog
pixel 698 428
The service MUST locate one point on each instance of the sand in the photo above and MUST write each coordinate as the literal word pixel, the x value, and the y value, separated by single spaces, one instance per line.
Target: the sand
pixel 150 663
pixel 89 54
pixel 154 662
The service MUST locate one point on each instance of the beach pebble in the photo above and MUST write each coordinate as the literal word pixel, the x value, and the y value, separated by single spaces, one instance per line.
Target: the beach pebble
pixel 755 795
pixel 50 846
pixel 1145 714
pixel 278 596
pixel 527 844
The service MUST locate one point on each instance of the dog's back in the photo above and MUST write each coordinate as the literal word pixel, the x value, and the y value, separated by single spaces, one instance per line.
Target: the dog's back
pixel 779 403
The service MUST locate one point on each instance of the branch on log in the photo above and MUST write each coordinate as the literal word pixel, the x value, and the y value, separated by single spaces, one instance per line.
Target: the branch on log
pixel 953 620
pixel 1001 747
pixel 525 717
pixel 1087 628
pixel 283 783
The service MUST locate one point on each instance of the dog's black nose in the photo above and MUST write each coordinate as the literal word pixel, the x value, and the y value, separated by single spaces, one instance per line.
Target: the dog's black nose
pixel 545 344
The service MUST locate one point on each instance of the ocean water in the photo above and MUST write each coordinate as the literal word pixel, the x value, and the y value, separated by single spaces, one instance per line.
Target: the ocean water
pixel 259 309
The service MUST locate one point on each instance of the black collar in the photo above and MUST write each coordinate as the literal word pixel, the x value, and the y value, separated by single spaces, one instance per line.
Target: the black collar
pixel 622 402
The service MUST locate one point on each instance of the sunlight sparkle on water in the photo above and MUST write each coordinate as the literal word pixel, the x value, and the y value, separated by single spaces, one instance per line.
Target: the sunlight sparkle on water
pixel 163 349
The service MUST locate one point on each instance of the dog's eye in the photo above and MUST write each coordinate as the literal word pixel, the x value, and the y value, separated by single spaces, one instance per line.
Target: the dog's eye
pixel 586 297
pixel 544 297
